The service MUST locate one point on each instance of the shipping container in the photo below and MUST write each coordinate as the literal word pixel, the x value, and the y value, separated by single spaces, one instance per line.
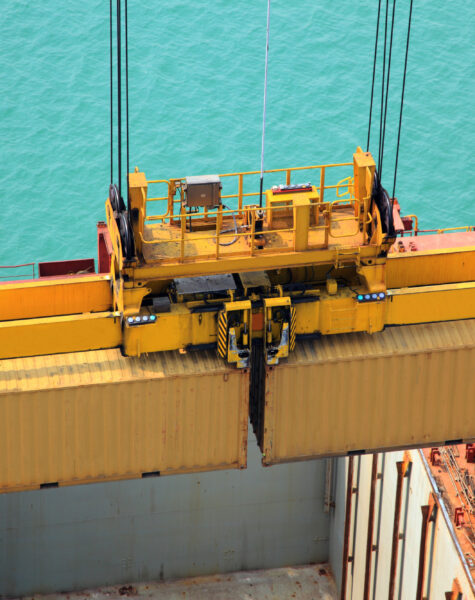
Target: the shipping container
pixel 98 416
pixel 403 387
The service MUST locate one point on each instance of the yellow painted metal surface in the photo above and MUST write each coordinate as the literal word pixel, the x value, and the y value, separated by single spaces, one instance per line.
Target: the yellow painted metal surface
pixel 430 303
pixel 52 335
pixel 431 267
pixel 176 329
pixel 52 297
pixel 406 386
pixel 97 416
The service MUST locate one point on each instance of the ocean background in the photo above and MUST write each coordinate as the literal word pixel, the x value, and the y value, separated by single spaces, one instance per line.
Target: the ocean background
pixel 196 83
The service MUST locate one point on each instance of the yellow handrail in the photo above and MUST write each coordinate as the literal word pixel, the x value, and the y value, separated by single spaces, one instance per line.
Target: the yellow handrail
pixel 240 175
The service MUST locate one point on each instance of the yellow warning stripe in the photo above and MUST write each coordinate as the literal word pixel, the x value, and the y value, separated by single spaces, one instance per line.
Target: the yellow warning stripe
pixel 223 334
pixel 293 327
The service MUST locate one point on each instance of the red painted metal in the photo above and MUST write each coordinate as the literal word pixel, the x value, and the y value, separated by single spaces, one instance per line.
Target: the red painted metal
pixel 57 268
pixel 439 241
pixel 399 224
pixel 435 457
pixel 369 540
pixel 408 223
pixel 104 248
pixel 11 276
pixel 427 516
pixel 459 516
pixel 346 534
pixel 470 453
pixel 402 469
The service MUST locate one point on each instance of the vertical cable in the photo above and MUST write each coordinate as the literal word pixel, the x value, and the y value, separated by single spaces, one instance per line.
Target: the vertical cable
pixel 402 99
pixel 119 107
pixel 382 86
pixel 374 73
pixel 387 89
pixel 265 105
pixel 111 94
pixel 127 96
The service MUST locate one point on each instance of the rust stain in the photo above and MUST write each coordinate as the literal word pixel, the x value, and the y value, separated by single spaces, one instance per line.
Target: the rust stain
pixel 128 590
pixel 455 477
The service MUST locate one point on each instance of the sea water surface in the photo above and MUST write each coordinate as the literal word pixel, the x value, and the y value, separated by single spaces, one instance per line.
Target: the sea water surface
pixel 196 83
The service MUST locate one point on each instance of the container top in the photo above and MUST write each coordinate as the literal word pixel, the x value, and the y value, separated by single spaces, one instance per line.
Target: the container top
pixel 101 367
pixel 402 340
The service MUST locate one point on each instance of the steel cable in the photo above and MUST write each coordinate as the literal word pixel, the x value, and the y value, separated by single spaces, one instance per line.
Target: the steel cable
pixel 382 85
pixel 119 106
pixel 127 97
pixel 402 99
pixel 111 94
pixel 387 89
pixel 265 104
pixel 374 74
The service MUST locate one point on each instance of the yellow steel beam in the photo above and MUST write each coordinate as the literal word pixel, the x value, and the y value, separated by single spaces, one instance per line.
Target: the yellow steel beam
pixel 330 314
pixel 430 267
pixel 171 331
pixel 52 297
pixel 53 335
pixel 260 261
pixel 432 303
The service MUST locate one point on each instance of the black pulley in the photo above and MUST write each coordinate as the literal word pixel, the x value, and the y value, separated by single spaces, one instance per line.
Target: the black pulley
pixel 116 201
pixel 381 198
pixel 126 235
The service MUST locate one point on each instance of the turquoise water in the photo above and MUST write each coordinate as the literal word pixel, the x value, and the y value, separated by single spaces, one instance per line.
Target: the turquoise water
pixel 196 78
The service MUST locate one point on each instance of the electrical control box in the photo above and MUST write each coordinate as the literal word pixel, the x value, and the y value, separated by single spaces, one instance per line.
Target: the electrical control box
pixel 203 191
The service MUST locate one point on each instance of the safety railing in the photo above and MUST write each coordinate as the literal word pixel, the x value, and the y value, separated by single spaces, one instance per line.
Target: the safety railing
pixel 219 238
pixel 241 225
pixel 414 231
pixel 18 276
pixel 175 185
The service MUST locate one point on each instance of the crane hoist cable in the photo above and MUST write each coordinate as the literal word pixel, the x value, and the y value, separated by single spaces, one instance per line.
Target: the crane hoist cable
pixel 382 84
pixel 121 210
pixel 387 88
pixel 119 99
pixel 402 99
pixel 111 95
pixel 374 74
pixel 385 92
pixel 127 97
pixel 265 104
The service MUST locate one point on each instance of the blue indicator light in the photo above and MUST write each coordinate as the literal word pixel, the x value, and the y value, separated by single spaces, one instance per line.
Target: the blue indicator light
pixel 130 320
pixel 367 297
pixel 374 296
pixel 382 295
pixel 145 318
pixel 152 317
pixel 360 297
pixel 137 319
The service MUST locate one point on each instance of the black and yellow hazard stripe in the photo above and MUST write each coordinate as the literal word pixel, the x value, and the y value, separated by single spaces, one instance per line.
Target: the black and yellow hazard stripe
pixel 293 328
pixel 223 334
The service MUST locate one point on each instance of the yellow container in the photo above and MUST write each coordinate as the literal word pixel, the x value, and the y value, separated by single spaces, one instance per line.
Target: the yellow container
pixel 97 416
pixel 403 387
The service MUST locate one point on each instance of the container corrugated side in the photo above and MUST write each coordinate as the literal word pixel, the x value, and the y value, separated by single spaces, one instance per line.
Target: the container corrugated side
pixel 403 387
pixel 97 416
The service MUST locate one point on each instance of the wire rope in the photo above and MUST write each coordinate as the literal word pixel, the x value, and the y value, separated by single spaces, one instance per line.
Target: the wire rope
pixel 265 105
pixel 402 99
pixel 382 85
pixel 127 96
pixel 387 88
pixel 119 105
pixel 111 94
pixel 374 74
